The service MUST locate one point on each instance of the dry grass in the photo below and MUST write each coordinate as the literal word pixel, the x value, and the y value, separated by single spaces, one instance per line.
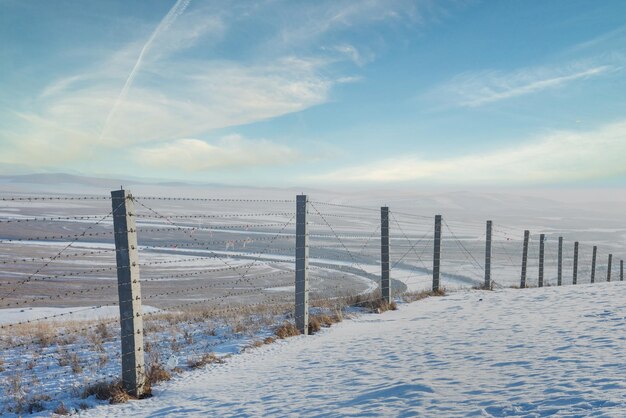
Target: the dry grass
pixel 63 357
pixel 286 330
pixel 48 333
pixel 111 391
pixel 14 391
pixel 208 358
pixel 75 363
pixel 44 334
pixel 61 410
pixel 373 302
pixel 415 296
pixel 156 373
pixel 482 286
pixel 317 322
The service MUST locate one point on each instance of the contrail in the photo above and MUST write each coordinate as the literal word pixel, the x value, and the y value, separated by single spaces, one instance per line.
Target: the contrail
pixel 169 18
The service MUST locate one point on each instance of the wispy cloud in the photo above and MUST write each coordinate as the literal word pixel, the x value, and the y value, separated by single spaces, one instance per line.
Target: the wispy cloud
pixel 229 151
pixel 171 81
pixel 475 89
pixel 176 10
pixel 558 157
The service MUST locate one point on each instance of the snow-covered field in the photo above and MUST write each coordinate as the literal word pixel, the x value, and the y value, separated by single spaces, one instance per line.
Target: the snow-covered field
pixel 534 352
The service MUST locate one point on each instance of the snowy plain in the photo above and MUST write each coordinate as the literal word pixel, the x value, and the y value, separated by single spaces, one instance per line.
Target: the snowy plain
pixel 555 351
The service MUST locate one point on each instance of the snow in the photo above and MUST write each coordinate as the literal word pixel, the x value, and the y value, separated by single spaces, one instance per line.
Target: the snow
pixel 532 352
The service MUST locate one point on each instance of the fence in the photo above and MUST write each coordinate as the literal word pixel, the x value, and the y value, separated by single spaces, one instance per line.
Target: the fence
pixel 185 276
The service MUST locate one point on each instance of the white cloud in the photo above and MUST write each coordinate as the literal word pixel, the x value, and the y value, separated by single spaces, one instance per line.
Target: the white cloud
pixel 231 151
pixel 481 88
pixel 184 87
pixel 558 157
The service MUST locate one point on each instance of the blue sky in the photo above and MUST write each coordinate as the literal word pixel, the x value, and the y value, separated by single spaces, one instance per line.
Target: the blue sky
pixel 285 93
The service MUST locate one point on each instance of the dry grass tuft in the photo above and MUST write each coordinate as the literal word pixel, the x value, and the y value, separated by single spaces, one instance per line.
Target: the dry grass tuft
pixel 269 340
pixel 112 391
pixel 482 286
pixel 372 302
pixel 286 330
pixel 208 358
pixel 61 410
pixel 314 325
pixel 317 322
pixel 156 373
pixel 75 363
pixel 415 296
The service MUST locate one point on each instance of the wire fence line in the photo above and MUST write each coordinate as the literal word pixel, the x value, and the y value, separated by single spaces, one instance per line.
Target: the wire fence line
pixel 212 270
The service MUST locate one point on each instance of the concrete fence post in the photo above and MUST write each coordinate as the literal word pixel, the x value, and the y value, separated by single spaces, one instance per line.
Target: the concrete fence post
pixel 129 291
pixel 437 253
pixel 559 273
pixel 522 284
pixel 385 287
pixel 542 239
pixel 302 265
pixel 621 270
pixel 575 269
pixel 488 255
pixel 609 268
pixel 594 257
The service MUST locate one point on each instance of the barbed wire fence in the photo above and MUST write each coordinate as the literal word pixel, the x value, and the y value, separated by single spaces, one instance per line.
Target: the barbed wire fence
pixel 220 272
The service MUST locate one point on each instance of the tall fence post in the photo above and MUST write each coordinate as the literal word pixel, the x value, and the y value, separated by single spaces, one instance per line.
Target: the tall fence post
pixel 302 265
pixel 488 255
pixel 542 238
pixel 385 287
pixel 522 284
pixel 129 291
pixel 575 269
pixel 621 270
pixel 609 268
pixel 437 253
pixel 559 273
pixel 593 264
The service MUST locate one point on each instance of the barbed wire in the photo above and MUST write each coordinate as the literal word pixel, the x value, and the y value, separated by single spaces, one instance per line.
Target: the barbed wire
pixel 64 256
pixel 202 199
pixel 29 278
pixel 34 198
pixel 50 219
pixel 219 215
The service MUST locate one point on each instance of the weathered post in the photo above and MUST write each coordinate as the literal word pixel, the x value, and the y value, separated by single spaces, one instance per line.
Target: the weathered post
pixel 575 269
pixel 488 256
pixel 542 239
pixel 385 287
pixel 129 291
pixel 609 268
pixel 593 264
pixel 522 284
pixel 621 270
pixel 437 253
pixel 302 265
pixel 559 273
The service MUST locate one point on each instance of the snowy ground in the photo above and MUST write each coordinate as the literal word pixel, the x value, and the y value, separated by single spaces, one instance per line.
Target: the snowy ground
pixel 532 352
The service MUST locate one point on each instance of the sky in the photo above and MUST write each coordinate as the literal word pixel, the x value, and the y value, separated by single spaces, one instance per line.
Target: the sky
pixel 331 92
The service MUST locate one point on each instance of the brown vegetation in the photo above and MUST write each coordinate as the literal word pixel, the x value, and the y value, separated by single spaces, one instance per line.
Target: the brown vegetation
pixel 286 330
pixel 111 391
pixel 317 322
pixel 415 296
pixel 208 358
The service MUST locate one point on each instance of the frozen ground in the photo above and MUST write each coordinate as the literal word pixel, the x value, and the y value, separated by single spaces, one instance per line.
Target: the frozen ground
pixel 533 352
